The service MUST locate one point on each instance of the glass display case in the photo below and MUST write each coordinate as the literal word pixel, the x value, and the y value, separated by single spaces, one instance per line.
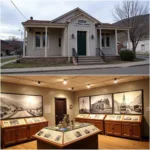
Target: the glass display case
pixel 13 122
pixel 96 116
pixel 132 118
pixel 35 120
pixel 114 117
pixel 65 136
pixel 82 116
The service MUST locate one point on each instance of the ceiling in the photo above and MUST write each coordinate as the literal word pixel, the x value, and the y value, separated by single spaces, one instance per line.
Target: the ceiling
pixel 77 82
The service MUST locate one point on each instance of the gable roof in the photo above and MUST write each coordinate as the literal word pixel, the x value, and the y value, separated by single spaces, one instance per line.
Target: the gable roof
pixel 76 9
pixel 80 15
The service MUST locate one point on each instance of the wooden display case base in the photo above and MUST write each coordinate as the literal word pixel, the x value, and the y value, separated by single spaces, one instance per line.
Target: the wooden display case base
pixel 90 142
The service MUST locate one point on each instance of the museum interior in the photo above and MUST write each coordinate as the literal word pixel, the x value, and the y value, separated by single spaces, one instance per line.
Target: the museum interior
pixel 74 112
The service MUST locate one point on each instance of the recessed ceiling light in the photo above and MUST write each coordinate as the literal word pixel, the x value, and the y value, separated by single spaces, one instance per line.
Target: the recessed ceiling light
pixel 88 86
pixel 115 80
pixel 65 82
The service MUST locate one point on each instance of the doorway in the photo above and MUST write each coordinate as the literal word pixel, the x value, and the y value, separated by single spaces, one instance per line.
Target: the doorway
pixel 81 42
pixel 60 109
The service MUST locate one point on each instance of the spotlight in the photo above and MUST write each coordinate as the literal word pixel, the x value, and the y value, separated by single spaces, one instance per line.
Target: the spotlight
pixel 88 86
pixel 65 82
pixel 115 80
pixel 39 82
pixel 69 88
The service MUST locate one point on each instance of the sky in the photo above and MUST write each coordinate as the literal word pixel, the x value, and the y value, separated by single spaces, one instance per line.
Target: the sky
pixel 11 19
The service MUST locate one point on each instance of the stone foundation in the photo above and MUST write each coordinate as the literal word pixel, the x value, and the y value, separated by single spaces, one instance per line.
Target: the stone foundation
pixel 108 58
pixel 44 60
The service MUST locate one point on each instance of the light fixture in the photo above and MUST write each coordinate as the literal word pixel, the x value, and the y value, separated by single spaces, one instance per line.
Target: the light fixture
pixel 72 36
pixel 92 36
pixel 88 86
pixel 65 82
pixel 39 82
pixel 69 88
pixel 115 80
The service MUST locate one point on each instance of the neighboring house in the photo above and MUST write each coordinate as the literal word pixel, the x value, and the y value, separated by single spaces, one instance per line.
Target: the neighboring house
pixel 6 48
pixel 144 43
pixel 74 30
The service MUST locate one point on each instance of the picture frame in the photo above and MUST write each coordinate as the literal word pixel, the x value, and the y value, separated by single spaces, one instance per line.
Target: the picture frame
pixel 15 106
pixel 84 105
pixel 101 104
pixel 128 103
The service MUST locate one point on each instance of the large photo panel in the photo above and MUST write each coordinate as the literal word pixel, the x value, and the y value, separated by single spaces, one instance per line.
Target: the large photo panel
pixel 20 106
pixel 128 102
pixel 84 105
pixel 101 104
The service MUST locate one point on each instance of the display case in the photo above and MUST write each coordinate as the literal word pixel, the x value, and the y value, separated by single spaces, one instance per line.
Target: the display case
pixel 95 119
pixel 81 135
pixel 131 126
pixel 13 122
pixel 123 125
pixel 18 130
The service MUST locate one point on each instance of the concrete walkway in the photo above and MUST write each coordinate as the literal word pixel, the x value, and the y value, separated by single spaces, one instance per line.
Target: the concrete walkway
pixel 67 68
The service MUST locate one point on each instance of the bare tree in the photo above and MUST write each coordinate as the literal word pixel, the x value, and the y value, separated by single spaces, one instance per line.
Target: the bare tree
pixel 130 13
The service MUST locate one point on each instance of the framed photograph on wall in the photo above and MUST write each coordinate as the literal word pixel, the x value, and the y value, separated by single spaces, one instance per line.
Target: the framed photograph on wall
pixel 101 104
pixel 128 102
pixel 20 105
pixel 84 105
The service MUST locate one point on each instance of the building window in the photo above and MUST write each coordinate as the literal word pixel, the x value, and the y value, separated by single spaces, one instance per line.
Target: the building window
pixel 43 39
pixel 40 39
pixel 37 39
pixel 59 42
pixel 105 40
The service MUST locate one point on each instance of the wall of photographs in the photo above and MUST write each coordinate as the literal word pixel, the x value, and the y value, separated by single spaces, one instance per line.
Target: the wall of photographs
pixel 130 102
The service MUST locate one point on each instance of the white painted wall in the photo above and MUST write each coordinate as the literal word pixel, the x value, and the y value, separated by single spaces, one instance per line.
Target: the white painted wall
pixel 70 15
pixel 53 47
pixel 90 29
pixel 112 49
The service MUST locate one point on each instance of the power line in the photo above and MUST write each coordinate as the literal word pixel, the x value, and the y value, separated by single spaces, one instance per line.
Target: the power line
pixel 18 9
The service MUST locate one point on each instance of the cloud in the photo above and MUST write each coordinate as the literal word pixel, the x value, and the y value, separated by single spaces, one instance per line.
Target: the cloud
pixel 11 19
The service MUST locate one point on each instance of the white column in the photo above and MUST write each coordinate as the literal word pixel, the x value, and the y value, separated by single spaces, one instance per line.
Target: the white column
pixel 100 38
pixel 116 39
pixel 24 43
pixel 45 41
pixel 128 39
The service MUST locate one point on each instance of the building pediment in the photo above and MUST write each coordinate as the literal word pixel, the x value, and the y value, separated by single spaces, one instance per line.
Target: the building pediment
pixel 66 18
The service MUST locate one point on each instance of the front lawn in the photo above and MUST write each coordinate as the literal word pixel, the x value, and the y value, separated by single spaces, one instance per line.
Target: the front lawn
pixel 23 65
pixel 32 65
pixel 8 59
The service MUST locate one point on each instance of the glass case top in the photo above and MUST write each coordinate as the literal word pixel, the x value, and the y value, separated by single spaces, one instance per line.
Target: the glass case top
pixel 69 128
